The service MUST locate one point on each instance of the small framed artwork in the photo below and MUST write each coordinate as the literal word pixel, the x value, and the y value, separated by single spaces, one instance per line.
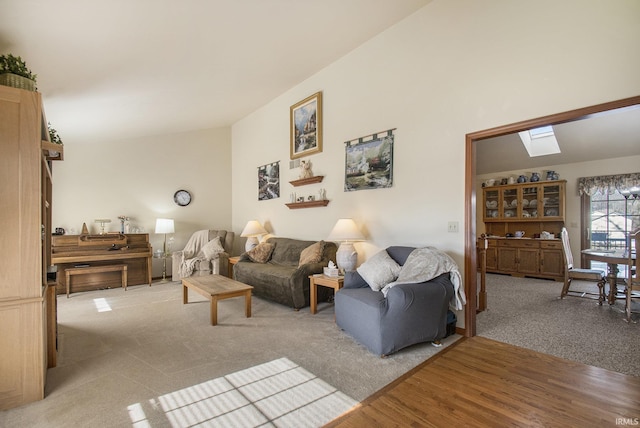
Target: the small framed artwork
pixel 369 162
pixel 306 126
pixel 269 181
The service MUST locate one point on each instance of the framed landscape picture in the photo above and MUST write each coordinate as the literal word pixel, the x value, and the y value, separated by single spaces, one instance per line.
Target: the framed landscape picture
pixel 306 126
pixel 269 181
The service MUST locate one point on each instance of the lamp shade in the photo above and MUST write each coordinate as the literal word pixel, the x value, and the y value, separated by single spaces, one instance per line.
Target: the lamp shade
pixel 253 228
pixel 345 230
pixel 164 225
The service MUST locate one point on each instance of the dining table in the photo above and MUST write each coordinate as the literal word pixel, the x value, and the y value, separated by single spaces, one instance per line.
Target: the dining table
pixel 613 258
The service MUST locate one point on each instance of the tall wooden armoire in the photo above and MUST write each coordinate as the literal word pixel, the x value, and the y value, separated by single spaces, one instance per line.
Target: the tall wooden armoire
pixel 28 327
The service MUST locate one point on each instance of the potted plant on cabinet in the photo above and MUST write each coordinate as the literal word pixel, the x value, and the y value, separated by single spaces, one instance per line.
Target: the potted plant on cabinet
pixel 15 73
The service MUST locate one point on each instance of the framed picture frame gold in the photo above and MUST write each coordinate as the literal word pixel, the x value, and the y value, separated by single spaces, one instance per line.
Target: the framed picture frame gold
pixel 305 120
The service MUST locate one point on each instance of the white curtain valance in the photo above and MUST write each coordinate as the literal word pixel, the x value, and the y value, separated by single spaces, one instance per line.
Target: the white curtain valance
pixel 608 183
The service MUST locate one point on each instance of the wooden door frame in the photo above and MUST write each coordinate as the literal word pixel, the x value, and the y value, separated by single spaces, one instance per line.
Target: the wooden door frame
pixel 470 261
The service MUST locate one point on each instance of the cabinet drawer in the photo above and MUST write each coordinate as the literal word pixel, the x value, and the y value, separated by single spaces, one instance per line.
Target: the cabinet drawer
pixel 518 243
pixel 551 245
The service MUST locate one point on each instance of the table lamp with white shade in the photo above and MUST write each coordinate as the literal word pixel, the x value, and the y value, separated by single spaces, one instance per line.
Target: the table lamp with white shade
pixel 251 231
pixel 346 232
pixel 164 225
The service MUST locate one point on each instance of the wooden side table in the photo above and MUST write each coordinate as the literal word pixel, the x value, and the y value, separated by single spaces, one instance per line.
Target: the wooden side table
pixel 232 261
pixel 335 282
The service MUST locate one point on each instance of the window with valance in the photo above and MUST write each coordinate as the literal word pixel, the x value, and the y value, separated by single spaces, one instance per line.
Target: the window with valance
pixel 625 184
pixel 611 208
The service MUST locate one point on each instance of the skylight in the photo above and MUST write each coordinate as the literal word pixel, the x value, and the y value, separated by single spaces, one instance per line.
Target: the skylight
pixel 540 141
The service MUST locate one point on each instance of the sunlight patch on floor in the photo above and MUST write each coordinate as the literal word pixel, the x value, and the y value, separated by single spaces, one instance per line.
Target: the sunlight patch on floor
pixel 102 305
pixel 278 393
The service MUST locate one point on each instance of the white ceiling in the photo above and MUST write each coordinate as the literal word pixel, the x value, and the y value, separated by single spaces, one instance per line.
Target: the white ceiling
pixel 127 68
pixel 608 135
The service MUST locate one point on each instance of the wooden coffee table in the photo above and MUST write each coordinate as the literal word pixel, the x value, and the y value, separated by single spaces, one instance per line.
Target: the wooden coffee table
pixel 217 287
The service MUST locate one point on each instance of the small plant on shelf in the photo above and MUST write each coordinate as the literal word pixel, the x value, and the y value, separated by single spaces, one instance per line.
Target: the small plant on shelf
pixel 53 135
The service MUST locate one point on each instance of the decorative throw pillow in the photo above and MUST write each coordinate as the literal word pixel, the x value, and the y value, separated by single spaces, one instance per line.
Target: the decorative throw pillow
pixel 212 248
pixel 312 254
pixel 379 270
pixel 261 253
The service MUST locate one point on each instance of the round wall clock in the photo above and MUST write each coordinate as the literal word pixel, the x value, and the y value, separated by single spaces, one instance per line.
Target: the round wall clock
pixel 182 198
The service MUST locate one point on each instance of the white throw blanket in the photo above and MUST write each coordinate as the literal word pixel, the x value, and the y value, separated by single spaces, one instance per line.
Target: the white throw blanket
pixel 191 254
pixel 424 264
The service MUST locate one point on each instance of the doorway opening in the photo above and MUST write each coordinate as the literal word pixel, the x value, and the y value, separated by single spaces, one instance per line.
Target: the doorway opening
pixel 472 140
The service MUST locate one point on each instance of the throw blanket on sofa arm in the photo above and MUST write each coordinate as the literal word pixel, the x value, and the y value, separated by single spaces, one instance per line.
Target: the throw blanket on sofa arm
pixel 191 255
pixel 424 264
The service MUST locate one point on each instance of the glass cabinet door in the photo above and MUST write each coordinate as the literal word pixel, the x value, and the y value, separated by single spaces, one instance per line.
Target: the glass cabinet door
pixel 552 202
pixel 529 201
pixel 491 203
pixel 509 202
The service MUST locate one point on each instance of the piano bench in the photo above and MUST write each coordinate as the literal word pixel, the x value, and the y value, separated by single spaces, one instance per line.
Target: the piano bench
pixel 96 269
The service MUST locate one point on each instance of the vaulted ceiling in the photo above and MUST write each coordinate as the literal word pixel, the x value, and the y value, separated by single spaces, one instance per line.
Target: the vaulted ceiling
pixel 122 68
pixel 608 135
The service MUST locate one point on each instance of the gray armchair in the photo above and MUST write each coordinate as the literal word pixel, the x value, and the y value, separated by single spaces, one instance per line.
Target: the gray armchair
pixel 409 314
pixel 200 264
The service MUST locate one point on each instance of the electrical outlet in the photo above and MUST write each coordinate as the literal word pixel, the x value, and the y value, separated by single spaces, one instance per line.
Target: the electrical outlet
pixel 453 227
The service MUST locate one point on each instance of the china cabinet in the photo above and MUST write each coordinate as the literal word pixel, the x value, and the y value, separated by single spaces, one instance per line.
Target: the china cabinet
pixel 539 201
pixel 27 297
pixel 529 208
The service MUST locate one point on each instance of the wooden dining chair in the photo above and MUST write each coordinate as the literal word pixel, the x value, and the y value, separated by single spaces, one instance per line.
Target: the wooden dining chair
pixel 571 273
pixel 632 286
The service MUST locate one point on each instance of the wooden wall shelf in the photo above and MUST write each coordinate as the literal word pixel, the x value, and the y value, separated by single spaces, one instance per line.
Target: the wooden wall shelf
pixel 310 204
pixel 305 181
pixel 52 151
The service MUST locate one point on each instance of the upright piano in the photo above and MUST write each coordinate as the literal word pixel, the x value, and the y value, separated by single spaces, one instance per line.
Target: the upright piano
pixel 70 251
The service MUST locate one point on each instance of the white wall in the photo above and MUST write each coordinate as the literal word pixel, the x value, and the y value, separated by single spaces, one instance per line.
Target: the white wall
pixel 452 68
pixel 138 178
pixel 570 172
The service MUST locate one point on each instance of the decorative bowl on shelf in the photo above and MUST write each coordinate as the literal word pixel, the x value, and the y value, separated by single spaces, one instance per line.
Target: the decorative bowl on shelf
pixel 525 203
pixel 514 203
pixel 533 203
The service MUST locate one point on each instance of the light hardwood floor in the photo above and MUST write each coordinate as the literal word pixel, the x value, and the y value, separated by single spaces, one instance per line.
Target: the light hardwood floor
pixel 478 382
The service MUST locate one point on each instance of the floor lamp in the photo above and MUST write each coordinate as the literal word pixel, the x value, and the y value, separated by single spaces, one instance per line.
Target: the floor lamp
pixel 164 225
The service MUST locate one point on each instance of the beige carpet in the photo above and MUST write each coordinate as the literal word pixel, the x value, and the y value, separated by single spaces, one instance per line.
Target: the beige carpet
pixel 527 312
pixel 123 356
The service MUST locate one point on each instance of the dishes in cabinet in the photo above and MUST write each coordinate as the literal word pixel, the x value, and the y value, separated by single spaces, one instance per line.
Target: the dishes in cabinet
pixel 492 204
pixel 551 212
pixel 525 203
pixel 526 214
pixel 514 203
pixel 494 213
pixel 533 203
pixel 509 213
